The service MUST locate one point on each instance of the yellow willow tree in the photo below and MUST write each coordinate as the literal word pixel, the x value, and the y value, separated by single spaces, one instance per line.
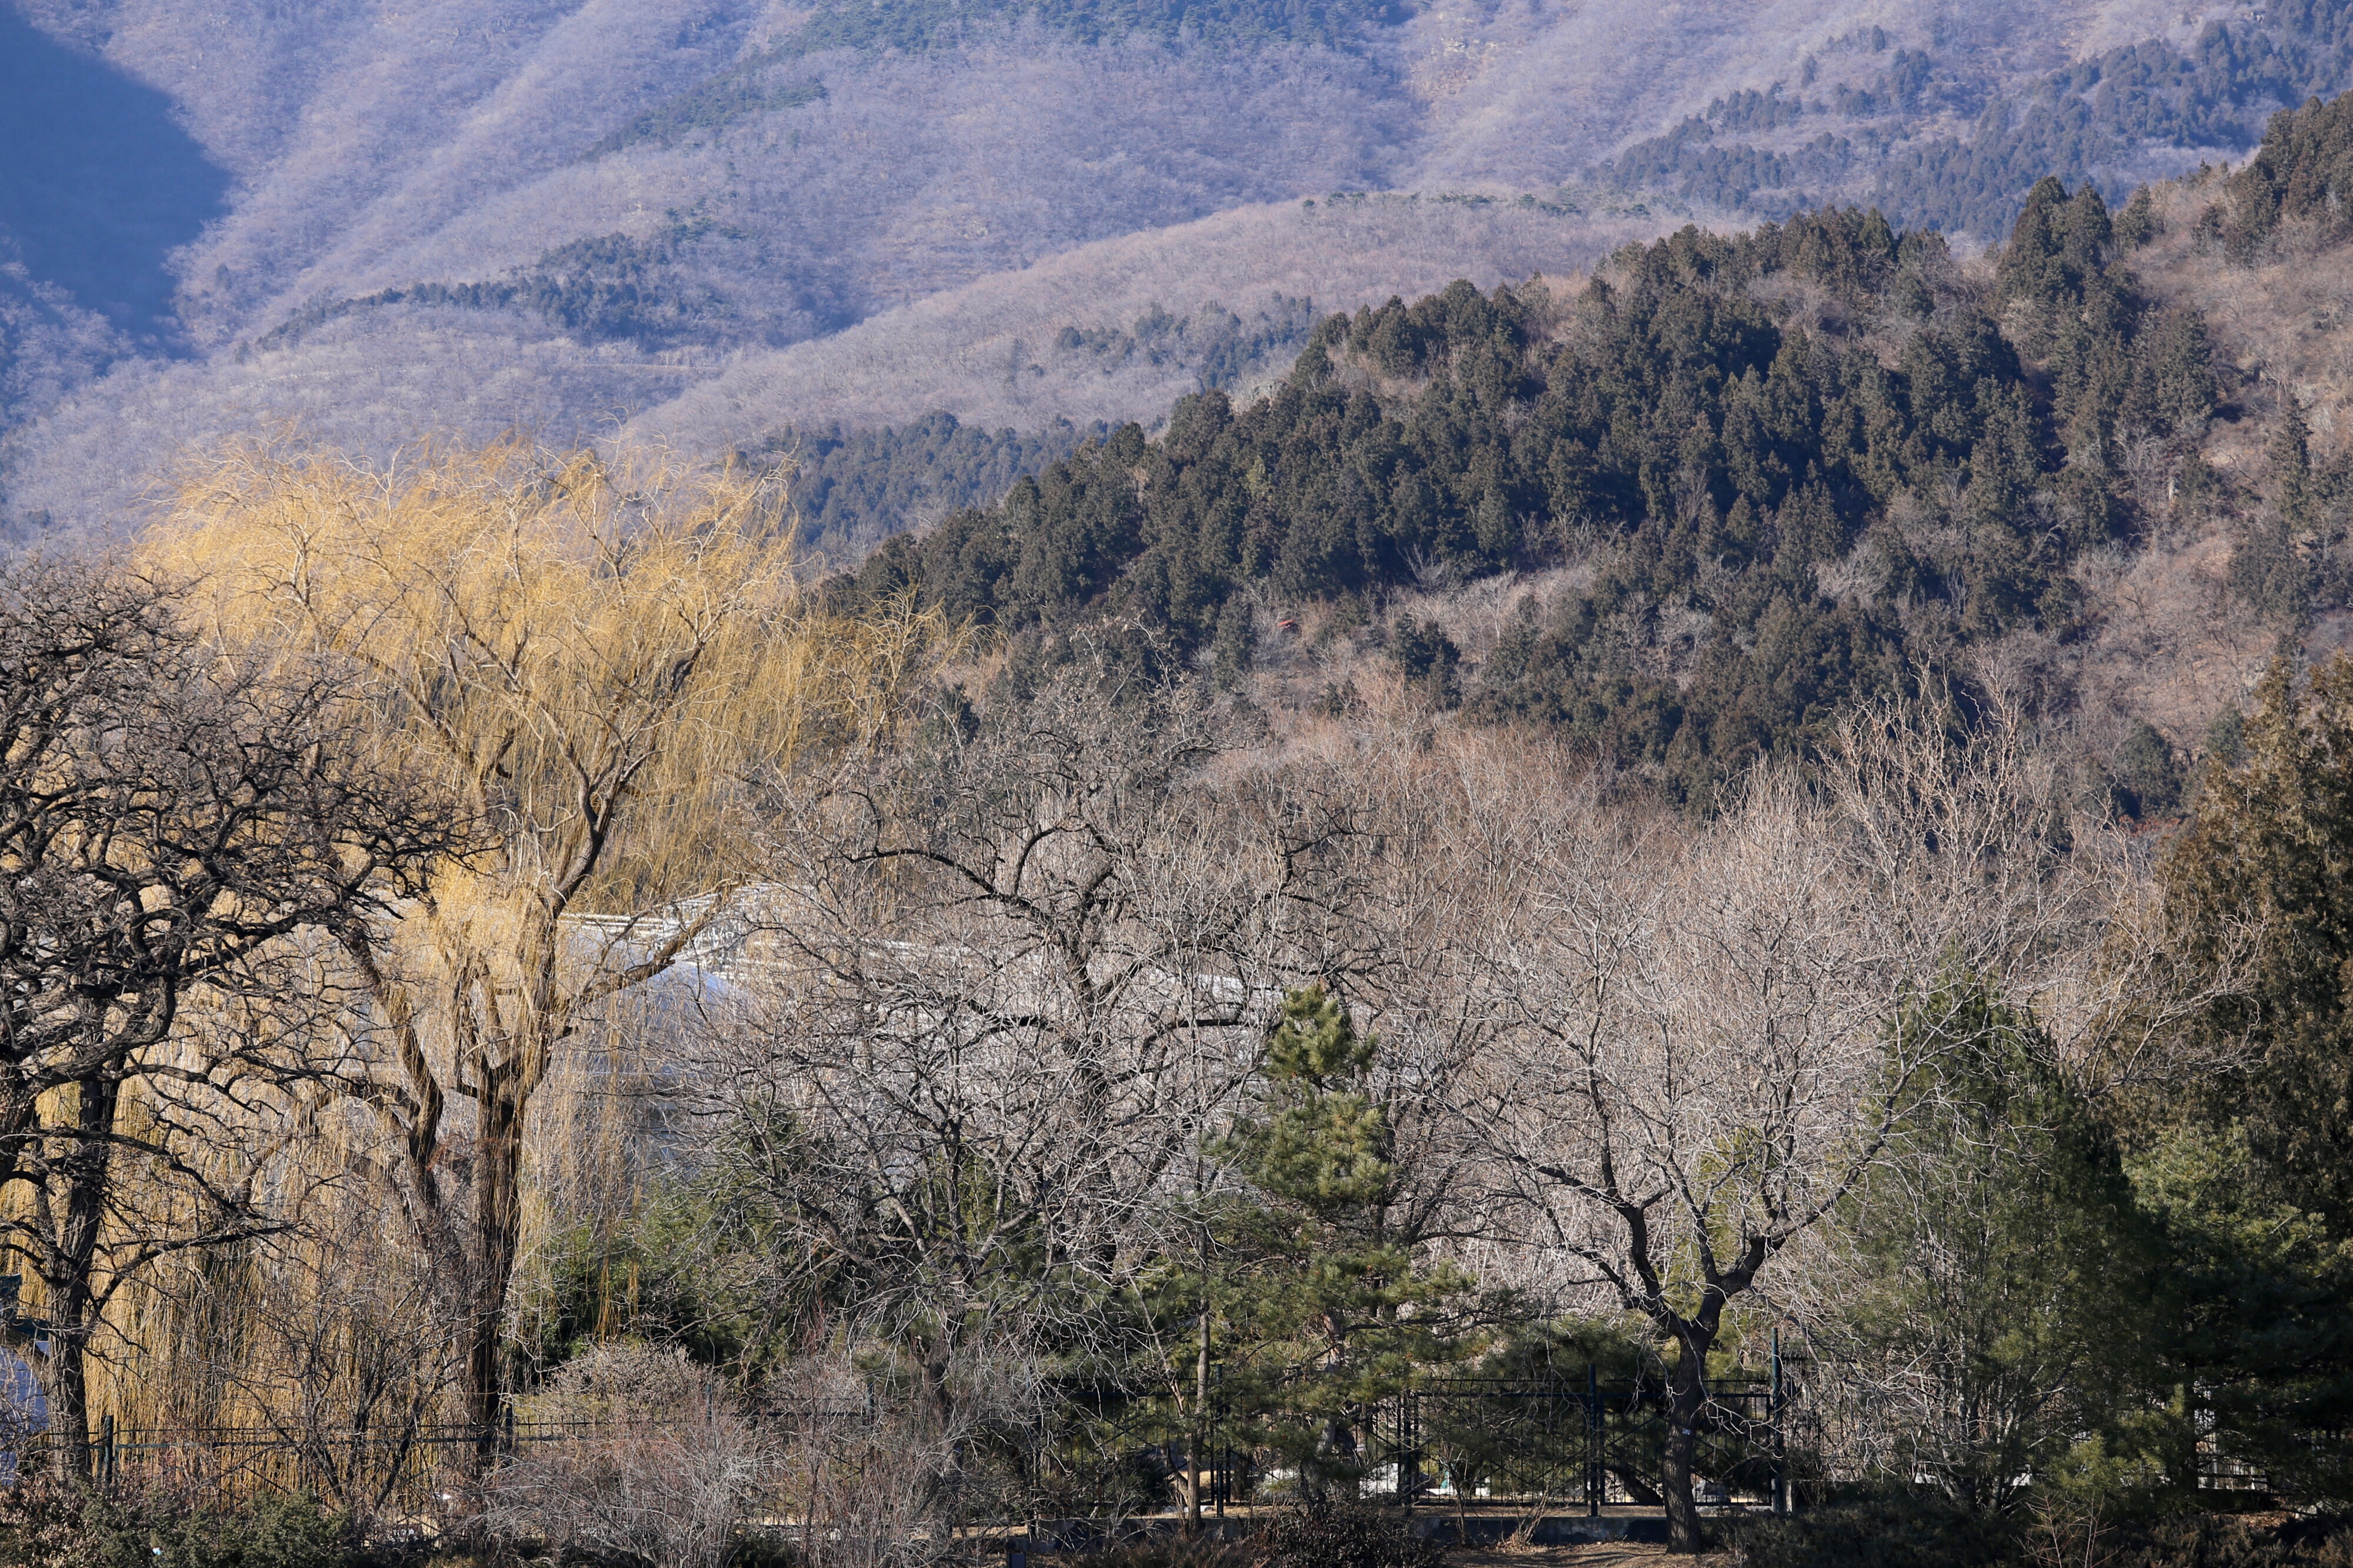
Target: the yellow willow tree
pixel 602 662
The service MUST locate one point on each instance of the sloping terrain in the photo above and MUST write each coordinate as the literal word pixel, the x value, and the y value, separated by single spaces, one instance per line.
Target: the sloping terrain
pixel 1917 126
pixel 717 217
pixel 1075 337
pixel 1688 512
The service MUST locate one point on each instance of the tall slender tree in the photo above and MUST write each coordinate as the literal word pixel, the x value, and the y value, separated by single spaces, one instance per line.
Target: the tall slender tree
pixel 2008 1283
pixel 602 664
pixel 2256 889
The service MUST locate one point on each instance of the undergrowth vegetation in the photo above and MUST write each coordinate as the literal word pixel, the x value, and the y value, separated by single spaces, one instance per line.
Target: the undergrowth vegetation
pixel 1917 1532
pixel 47 1525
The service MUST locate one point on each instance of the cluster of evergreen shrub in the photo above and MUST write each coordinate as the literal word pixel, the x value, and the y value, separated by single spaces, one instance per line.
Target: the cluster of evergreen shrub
pixel 1221 346
pixel 2292 556
pixel 765 81
pixel 1710 453
pixel 46 1525
pixel 750 87
pixel 2304 171
pixel 1689 161
pixel 1920 1530
pixel 925 24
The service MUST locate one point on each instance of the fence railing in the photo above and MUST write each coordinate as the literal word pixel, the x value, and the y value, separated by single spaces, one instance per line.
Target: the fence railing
pixel 1587 1445
pixel 413 1471
pixel 1578 1445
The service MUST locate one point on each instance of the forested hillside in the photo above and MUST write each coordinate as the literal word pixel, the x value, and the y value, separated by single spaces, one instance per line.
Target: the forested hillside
pixel 1791 468
pixel 2111 118
pixel 799 1072
pixel 706 219
pixel 852 490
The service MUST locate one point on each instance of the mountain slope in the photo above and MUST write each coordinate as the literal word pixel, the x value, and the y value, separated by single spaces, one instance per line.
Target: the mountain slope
pixel 566 214
pixel 1687 513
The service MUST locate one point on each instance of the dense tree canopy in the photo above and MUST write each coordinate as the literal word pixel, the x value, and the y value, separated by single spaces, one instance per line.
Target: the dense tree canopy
pixel 2249 1179
pixel 2257 882
pixel 851 488
pixel 2306 160
pixel 1797 461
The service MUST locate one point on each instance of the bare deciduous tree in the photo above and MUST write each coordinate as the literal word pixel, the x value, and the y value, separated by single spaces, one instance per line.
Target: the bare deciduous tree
pixel 169 813
pixel 859 1462
pixel 1696 1069
pixel 1010 983
pixel 595 662
pixel 1983 854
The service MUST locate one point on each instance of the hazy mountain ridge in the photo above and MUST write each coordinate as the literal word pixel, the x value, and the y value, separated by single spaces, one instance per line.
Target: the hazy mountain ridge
pixel 996 338
pixel 1915 133
pixel 469 213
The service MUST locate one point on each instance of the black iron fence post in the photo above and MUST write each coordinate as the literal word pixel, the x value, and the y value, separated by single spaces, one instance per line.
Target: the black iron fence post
pixel 1773 1415
pixel 1225 1435
pixel 1593 1439
pixel 1407 1437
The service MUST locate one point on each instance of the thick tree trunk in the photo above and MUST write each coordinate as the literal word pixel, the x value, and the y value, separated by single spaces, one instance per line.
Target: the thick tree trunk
pixel 1686 1395
pixel 1198 1449
pixel 939 1407
pixel 68 1277
pixel 1638 1486
pixel 70 1407
pixel 498 1219
pixel 1336 1455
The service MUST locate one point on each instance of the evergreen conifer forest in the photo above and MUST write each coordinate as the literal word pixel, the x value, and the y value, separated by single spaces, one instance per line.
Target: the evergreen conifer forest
pixel 1651 865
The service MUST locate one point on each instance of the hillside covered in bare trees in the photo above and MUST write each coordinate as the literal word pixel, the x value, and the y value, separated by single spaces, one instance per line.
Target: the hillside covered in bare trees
pixel 388 222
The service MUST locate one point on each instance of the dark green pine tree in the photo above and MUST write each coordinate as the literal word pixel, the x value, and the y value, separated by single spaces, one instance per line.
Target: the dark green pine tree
pixel 1331 1303
pixel 2269 570
pixel 2006 1273
pixel 2252 1172
pixel 2291 465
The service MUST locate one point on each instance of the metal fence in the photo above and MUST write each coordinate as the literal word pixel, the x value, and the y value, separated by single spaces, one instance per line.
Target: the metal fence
pixel 1585 1446
pixel 1574 1444
pixel 1580 1444
pixel 415 1472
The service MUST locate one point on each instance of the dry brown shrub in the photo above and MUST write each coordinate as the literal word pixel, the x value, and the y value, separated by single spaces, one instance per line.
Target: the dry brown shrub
pixel 663 1465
